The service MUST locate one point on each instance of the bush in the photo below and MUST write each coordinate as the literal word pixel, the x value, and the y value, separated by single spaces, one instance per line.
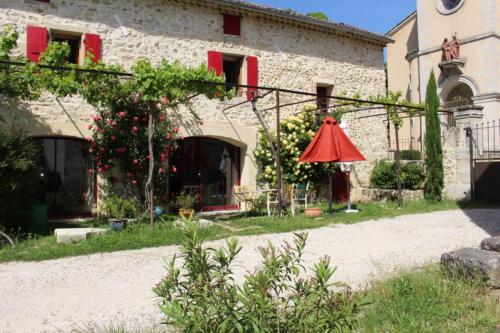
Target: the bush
pixel 202 295
pixel 410 155
pixel 20 178
pixel 385 175
pixel 120 208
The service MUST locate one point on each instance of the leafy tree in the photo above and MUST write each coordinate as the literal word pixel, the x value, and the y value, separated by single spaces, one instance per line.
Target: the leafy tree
pixel 434 152
pixel 318 15
pixel 19 174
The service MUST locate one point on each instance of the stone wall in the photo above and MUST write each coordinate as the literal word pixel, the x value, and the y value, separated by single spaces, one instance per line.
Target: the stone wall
pixel 185 32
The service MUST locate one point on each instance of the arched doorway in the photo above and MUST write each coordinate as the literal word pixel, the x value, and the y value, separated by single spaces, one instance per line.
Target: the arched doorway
pixel 69 186
pixel 210 168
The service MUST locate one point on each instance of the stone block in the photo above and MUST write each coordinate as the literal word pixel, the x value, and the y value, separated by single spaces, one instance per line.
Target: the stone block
pixel 70 235
pixel 491 244
pixel 474 262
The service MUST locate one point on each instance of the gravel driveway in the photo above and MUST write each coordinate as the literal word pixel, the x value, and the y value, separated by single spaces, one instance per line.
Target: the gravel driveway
pixel 58 295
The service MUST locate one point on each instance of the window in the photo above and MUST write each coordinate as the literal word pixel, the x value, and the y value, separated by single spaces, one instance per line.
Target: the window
pixel 323 90
pixel 447 7
pixel 74 42
pixel 232 25
pixel 231 66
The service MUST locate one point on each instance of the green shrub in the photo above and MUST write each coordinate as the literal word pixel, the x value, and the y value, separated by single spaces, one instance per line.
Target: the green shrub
pixel 202 296
pixel 186 200
pixel 20 178
pixel 384 176
pixel 120 208
pixel 412 176
pixel 410 155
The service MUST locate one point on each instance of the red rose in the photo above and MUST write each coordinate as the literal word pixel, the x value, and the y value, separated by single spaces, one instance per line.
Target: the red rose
pixel 99 163
pixel 163 157
pixel 161 170
pixel 135 129
pixel 99 170
pixel 106 167
pixel 135 162
pixel 162 117
pixel 122 114
pixel 134 182
pixel 176 129
pixel 174 169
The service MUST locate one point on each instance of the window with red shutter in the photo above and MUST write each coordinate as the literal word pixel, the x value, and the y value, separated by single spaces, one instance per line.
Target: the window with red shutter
pixel 93 46
pixel 36 42
pixel 232 25
pixel 215 62
pixel 252 75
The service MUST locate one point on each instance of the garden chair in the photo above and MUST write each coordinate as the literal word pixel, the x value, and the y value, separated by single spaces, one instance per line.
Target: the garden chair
pixel 300 195
pixel 272 199
pixel 243 194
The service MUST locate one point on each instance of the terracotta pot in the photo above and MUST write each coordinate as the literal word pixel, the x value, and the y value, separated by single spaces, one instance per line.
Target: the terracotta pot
pixel 186 213
pixel 313 212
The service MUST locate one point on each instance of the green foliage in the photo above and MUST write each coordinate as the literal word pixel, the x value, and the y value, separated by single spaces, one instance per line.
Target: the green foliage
pixel 318 15
pixel 410 155
pixel 296 133
pixel 120 208
pixel 20 177
pixel 384 176
pixel 433 148
pixel 429 301
pixel 16 82
pixel 186 200
pixel 202 295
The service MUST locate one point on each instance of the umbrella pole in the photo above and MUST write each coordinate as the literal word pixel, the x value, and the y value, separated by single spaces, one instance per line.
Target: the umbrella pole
pixel 330 211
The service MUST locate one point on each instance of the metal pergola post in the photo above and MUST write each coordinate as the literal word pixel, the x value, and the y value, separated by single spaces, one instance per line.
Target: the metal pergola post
pixel 278 154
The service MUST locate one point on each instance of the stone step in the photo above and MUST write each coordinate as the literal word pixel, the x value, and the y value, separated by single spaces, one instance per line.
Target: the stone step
pixel 474 262
pixel 491 244
pixel 70 235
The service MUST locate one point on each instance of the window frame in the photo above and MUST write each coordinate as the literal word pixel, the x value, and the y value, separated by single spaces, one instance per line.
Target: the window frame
pixel 63 35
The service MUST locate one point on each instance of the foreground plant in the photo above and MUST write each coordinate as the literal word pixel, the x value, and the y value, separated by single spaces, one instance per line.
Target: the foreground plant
pixel 202 295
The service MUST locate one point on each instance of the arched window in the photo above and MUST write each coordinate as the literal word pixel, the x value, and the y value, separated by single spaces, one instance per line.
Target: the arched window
pixel 460 95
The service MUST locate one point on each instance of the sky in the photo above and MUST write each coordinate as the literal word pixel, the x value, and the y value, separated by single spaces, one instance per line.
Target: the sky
pixel 373 15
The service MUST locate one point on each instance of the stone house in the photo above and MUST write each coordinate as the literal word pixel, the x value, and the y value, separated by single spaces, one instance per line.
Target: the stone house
pixel 468 86
pixel 250 44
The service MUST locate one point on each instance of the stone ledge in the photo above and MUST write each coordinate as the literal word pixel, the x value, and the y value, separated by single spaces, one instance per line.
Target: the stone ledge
pixel 70 235
pixel 375 194
pixel 474 262
pixel 491 244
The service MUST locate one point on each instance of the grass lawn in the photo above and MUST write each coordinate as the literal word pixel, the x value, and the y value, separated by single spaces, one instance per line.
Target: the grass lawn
pixel 141 235
pixel 429 301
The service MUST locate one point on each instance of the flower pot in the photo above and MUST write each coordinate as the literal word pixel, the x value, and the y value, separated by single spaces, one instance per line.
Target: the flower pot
pixel 186 213
pixel 116 224
pixel 313 212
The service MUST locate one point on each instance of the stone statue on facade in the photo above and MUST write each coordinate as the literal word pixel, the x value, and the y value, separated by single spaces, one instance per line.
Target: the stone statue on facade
pixel 446 50
pixel 455 48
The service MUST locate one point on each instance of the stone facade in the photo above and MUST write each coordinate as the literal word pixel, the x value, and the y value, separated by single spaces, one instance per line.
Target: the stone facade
pixel 290 55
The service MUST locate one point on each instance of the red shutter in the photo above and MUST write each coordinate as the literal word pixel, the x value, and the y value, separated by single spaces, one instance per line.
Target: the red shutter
pixel 252 75
pixel 36 42
pixel 93 45
pixel 215 61
pixel 232 25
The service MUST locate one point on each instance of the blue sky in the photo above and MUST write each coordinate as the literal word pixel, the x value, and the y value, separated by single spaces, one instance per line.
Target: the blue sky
pixel 374 15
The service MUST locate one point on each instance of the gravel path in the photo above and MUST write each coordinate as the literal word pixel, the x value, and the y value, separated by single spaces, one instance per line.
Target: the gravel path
pixel 116 287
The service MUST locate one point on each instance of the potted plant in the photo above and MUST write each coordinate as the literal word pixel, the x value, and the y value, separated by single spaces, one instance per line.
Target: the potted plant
pixel 186 203
pixel 313 212
pixel 119 210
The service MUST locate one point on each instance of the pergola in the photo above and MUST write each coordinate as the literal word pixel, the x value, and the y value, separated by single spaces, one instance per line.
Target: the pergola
pixel 256 93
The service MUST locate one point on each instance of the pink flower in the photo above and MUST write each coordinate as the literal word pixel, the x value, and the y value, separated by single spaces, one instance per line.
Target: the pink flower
pixel 136 119
pixel 134 182
pixel 95 117
pixel 169 136
pixel 89 139
pixel 174 169
pixel 122 114
pixel 163 157
pixel 106 167
pixel 135 162
pixel 113 137
pixel 90 171
pixel 113 123
pixel 162 118
pixel 135 129
pixel 176 129
pixel 161 170
pixel 99 170
pixel 90 127
pixel 99 163
pixel 108 121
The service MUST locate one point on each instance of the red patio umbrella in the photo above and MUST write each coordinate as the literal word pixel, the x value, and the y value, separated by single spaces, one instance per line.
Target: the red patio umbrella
pixel 331 144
